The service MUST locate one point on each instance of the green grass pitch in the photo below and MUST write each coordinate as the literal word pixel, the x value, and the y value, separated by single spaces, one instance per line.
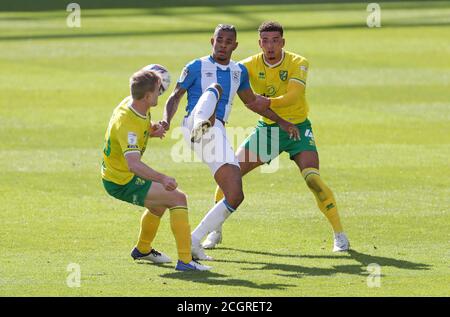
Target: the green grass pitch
pixel 380 108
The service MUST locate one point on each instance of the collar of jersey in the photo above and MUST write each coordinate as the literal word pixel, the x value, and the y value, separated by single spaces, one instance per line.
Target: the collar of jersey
pixel 135 111
pixel 223 67
pixel 274 65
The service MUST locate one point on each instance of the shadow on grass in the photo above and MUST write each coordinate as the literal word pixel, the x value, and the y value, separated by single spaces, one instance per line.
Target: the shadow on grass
pixel 300 271
pixel 293 270
pixel 261 253
pixel 359 269
pixel 221 280
pixel 164 265
pixel 150 33
pixel 366 259
pixel 362 258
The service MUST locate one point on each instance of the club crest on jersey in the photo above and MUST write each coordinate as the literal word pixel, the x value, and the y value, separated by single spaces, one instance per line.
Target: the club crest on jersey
pixel 236 75
pixel 283 75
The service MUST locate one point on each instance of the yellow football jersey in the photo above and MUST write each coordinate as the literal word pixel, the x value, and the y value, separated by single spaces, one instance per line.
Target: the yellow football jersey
pixel 127 132
pixel 272 81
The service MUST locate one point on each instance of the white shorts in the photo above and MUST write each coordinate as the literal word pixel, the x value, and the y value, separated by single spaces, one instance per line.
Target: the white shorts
pixel 213 149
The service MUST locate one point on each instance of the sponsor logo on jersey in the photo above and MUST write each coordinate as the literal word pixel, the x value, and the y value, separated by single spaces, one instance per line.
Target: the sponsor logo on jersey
pixel 262 75
pixel 271 91
pixel 132 138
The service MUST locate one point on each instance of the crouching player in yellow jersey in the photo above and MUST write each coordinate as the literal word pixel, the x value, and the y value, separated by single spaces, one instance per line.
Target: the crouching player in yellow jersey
pixel 127 178
pixel 281 76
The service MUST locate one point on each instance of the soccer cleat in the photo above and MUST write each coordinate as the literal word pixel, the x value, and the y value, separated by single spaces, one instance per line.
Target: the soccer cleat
pixel 198 253
pixel 199 130
pixel 191 266
pixel 341 242
pixel 212 240
pixel 153 256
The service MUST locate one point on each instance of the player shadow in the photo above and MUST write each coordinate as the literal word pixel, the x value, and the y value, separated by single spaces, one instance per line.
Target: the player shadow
pixel 164 265
pixel 355 269
pixel 362 258
pixel 295 270
pixel 300 271
pixel 218 279
pixel 260 252
pixel 366 259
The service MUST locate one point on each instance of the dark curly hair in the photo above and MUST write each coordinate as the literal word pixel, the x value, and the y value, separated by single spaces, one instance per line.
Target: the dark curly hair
pixel 270 26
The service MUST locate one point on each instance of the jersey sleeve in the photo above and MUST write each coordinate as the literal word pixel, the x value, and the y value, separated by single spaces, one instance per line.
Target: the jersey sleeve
pixel 294 91
pixel 188 74
pixel 245 83
pixel 127 136
pixel 299 71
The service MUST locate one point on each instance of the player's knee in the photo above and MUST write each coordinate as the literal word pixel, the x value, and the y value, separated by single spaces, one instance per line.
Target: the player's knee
pixel 158 211
pixel 218 87
pixel 179 198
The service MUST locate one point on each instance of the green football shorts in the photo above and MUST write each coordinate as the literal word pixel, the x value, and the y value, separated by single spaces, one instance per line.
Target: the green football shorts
pixel 268 141
pixel 134 192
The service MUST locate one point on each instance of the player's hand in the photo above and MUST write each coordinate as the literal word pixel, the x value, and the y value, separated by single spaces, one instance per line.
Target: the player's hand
pixel 165 124
pixel 169 183
pixel 291 129
pixel 157 131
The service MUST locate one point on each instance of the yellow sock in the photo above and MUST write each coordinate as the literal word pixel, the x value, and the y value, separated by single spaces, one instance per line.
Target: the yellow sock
pixel 219 195
pixel 149 227
pixel 324 197
pixel 179 222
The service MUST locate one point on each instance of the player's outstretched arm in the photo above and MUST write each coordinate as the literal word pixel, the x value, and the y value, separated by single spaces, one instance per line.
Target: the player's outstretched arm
pixel 142 170
pixel 172 106
pixel 254 102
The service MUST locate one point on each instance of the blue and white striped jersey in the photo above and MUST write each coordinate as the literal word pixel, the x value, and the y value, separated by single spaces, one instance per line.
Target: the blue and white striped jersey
pixel 201 73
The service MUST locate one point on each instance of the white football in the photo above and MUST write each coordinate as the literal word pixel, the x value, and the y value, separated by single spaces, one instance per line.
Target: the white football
pixel 163 74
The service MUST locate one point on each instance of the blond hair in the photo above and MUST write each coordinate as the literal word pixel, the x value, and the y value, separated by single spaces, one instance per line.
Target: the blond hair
pixel 142 82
